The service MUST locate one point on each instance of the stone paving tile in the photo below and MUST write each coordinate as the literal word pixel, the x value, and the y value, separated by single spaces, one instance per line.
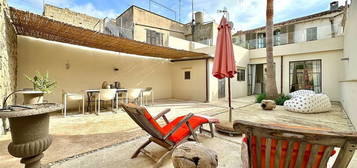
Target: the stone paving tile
pixel 77 136
pixel 119 156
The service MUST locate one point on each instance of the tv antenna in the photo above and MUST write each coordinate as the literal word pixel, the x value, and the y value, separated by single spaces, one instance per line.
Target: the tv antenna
pixel 159 4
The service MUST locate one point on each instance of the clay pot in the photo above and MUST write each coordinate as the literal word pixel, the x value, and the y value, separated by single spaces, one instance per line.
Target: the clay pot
pixel 33 98
pixel 268 104
pixel 105 85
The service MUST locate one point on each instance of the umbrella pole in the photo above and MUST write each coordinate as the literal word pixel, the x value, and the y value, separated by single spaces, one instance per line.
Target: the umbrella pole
pixel 229 100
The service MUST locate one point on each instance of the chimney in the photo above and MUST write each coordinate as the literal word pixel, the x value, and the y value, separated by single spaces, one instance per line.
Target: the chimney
pixel 199 17
pixel 333 5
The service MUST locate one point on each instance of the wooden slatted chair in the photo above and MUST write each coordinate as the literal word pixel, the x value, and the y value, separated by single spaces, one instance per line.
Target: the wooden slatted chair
pixel 279 146
pixel 169 136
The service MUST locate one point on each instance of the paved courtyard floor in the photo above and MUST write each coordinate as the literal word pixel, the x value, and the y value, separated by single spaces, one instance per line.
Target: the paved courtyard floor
pixel 108 140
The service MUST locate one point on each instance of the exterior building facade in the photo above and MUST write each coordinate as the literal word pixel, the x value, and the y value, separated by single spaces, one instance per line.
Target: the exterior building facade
pixel 139 24
pixel 156 29
pixel 304 48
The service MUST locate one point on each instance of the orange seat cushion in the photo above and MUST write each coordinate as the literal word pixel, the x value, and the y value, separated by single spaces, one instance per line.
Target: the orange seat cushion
pixel 180 133
pixel 183 131
pixel 283 153
pixel 153 121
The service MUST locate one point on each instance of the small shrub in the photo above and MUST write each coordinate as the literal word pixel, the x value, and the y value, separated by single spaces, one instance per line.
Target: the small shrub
pixel 281 99
pixel 260 97
pixel 42 82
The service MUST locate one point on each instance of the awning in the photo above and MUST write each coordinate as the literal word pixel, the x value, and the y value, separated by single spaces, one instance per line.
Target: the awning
pixel 30 24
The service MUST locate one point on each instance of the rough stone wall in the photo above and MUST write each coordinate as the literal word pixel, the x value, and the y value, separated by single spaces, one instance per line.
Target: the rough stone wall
pixel 67 16
pixel 8 59
pixel 204 31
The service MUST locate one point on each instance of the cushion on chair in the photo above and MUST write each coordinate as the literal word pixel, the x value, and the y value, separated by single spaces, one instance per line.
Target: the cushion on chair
pixel 147 115
pixel 209 118
pixel 152 121
pixel 283 153
pixel 313 103
pixel 183 131
pixel 180 133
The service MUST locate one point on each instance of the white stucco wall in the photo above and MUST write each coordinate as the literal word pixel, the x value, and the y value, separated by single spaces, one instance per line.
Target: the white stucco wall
pixel 89 68
pixel 349 83
pixel 331 65
pixel 181 44
pixel 329 44
pixel 323 28
pixel 239 88
pixel 331 71
pixel 194 88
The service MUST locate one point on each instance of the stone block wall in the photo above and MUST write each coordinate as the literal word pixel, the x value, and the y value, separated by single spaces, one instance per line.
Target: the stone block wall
pixel 8 59
pixel 67 16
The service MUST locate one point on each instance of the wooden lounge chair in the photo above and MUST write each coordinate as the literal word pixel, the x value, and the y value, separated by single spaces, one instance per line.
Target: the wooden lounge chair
pixel 294 147
pixel 170 136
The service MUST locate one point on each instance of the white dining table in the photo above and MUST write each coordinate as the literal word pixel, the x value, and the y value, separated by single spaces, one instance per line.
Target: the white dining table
pixel 91 92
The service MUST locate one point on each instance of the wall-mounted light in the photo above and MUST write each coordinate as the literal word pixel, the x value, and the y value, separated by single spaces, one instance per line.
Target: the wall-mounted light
pixel 67 65
pixel 116 69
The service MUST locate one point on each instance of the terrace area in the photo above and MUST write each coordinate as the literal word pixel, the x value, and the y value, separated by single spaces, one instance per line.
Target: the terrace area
pixel 159 69
pixel 108 140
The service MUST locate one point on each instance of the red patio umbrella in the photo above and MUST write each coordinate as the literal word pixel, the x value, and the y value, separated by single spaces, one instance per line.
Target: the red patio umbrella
pixel 224 64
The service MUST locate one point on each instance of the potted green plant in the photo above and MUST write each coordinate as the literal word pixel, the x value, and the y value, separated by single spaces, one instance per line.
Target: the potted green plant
pixel 41 85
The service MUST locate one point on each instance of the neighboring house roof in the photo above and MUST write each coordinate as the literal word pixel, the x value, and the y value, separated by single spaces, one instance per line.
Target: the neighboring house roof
pixel 74 12
pixel 291 21
pixel 33 25
pixel 134 6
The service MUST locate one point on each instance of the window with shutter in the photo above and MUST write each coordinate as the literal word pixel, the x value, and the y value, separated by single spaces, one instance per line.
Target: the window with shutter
pixel 153 37
pixel 241 74
pixel 261 40
pixel 311 34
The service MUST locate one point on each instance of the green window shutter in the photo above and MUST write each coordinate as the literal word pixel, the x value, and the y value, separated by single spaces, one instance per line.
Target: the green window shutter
pixel 311 34
pixel 291 30
pixel 284 35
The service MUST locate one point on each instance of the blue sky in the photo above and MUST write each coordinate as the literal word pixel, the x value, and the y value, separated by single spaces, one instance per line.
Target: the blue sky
pixel 245 14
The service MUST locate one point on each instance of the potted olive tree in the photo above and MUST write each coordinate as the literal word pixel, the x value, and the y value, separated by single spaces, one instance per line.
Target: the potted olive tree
pixel 41 85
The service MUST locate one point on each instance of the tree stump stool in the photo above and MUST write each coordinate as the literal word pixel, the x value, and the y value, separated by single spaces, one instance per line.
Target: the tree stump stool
pixel 268 104
pixel 194 155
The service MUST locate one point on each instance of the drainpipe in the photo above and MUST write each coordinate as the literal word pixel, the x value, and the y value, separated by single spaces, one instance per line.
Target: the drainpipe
pixel 281 74
pixel 207 81
pixel 333 34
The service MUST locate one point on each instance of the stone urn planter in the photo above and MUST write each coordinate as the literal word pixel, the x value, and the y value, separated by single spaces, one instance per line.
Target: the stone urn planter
pixel 29 131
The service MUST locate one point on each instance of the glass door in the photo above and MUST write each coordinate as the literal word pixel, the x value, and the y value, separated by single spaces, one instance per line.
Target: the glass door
pixel 305 75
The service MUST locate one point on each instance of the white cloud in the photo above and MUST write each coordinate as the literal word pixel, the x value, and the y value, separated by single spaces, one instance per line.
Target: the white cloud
pixel 248 14
pixel 87 8
pixel 245 14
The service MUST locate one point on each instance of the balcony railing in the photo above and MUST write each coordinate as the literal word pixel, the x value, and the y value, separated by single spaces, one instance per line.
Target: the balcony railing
pixel 322 32
pixel 111 28
pixel 208 42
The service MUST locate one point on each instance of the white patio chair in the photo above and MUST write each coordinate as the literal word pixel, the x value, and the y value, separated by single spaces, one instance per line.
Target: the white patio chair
pixel 104 95
pixel 135 96
pixel 146 93
pixel 66 96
